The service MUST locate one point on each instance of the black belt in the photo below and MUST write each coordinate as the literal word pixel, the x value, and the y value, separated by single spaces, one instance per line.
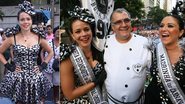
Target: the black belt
pixel 120 102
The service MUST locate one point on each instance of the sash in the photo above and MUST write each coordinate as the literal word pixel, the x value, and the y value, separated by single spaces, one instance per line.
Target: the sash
pixel 85 73
pixel 167 76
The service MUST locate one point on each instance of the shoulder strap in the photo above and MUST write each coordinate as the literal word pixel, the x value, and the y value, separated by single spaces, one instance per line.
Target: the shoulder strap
pixel 14 39
pixel 53 47
pixel 39 39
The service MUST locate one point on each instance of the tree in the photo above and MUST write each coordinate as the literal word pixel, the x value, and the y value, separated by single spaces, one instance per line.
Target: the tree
pixel 134 7
pixel 156 14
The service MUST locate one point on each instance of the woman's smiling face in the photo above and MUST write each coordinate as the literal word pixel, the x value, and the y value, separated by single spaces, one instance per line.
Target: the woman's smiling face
pixel 169 30
pixel 81 33
pixel 25 21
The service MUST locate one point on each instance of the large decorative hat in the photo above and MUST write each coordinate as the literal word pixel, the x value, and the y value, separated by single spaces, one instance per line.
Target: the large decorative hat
pixel 179 8
pixel 27 7
pixel 82 14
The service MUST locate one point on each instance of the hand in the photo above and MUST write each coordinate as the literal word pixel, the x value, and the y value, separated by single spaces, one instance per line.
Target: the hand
pixel 18 69
pixel 10 67
pixel 36 69
pixel 100 78
pixel 97 69
pixel 43 66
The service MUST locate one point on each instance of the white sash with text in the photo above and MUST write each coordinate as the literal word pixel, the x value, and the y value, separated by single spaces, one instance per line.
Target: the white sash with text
pixel 86 75
pixel 167 76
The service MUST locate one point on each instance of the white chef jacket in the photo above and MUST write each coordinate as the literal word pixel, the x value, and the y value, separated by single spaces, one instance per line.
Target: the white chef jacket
pixel 126 64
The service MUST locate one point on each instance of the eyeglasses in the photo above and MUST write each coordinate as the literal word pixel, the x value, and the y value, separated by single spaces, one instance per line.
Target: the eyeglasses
pixel 119 22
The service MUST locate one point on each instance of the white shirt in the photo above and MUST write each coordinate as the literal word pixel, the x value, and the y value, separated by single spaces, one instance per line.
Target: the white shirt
pixel 126 64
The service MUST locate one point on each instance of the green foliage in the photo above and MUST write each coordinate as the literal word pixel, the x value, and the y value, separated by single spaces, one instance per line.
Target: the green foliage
pixel 132 6
pixel 156 14
pixel 65 6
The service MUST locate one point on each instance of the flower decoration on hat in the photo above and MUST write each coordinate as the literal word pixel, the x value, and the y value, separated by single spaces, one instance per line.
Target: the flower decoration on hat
pixel 178 8
pixel 82 14
pixel 27 7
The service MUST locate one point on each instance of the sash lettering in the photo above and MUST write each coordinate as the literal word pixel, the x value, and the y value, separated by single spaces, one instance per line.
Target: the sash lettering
pixel 85 74
pixel 164 69
pixel 167 76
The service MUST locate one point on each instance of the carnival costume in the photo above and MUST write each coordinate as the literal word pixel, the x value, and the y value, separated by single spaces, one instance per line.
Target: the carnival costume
pixel 25 86
pixel 87 74
pixel 82 69
pixel 167 83
pixel 156 92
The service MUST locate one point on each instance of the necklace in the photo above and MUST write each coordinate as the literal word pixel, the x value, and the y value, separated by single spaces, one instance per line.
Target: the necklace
pixel 25 39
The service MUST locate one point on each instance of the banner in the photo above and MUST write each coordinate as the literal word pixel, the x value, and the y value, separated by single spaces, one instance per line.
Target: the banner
pixel 102 10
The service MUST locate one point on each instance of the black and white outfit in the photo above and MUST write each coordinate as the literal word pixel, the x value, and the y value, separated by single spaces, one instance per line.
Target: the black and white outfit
pixel 83 71
pixel 157 92
pixel 80 100
pixel 126 65
pixel 78 82
pixel 26 86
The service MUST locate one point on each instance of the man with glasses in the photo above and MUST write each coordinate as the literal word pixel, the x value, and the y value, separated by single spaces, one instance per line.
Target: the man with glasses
pixel 127 58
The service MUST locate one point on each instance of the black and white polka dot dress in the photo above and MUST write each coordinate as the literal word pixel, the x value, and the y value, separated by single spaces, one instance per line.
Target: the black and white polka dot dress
pixel 26 86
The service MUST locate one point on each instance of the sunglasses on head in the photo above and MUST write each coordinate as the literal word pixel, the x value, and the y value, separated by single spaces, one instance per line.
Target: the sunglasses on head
pixel 119 22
